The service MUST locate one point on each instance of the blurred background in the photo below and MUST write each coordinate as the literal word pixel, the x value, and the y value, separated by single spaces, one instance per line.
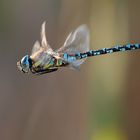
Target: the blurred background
pixel 99 102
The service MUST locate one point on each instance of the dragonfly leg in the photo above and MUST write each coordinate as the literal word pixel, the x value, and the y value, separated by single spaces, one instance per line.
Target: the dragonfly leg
pixel 40 72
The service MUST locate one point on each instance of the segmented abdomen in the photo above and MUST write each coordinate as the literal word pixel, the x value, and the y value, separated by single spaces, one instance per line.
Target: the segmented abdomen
pixel 107 50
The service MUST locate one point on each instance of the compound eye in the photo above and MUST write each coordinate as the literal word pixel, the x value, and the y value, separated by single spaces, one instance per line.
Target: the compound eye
pixel 24 60
pixel 25 64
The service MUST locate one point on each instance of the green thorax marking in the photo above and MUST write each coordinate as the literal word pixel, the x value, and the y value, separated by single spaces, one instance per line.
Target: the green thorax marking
pixel 58 62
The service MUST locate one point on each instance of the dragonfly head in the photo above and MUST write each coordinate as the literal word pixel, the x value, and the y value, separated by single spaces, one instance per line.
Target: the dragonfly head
pixel 24 64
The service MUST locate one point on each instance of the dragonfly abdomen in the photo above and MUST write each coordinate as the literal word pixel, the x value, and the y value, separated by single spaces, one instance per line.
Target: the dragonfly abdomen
pixel 107 50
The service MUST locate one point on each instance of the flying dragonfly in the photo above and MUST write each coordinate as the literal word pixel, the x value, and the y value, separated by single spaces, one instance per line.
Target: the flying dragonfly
pixel 72 54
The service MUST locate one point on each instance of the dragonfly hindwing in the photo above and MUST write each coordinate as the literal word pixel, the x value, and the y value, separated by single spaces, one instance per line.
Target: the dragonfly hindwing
pixel 76 42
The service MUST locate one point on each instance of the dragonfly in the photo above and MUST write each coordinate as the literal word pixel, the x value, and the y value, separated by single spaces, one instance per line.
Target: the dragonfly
pixel 72 54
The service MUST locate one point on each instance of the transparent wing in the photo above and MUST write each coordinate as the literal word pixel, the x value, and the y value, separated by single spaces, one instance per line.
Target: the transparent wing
pixel 44 43
pixel 36 47
pixel 41 53
pixel 77 41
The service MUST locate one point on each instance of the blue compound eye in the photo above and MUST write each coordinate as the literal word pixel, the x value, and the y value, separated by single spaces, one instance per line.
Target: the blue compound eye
pixel 25 65
pixel 25 60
